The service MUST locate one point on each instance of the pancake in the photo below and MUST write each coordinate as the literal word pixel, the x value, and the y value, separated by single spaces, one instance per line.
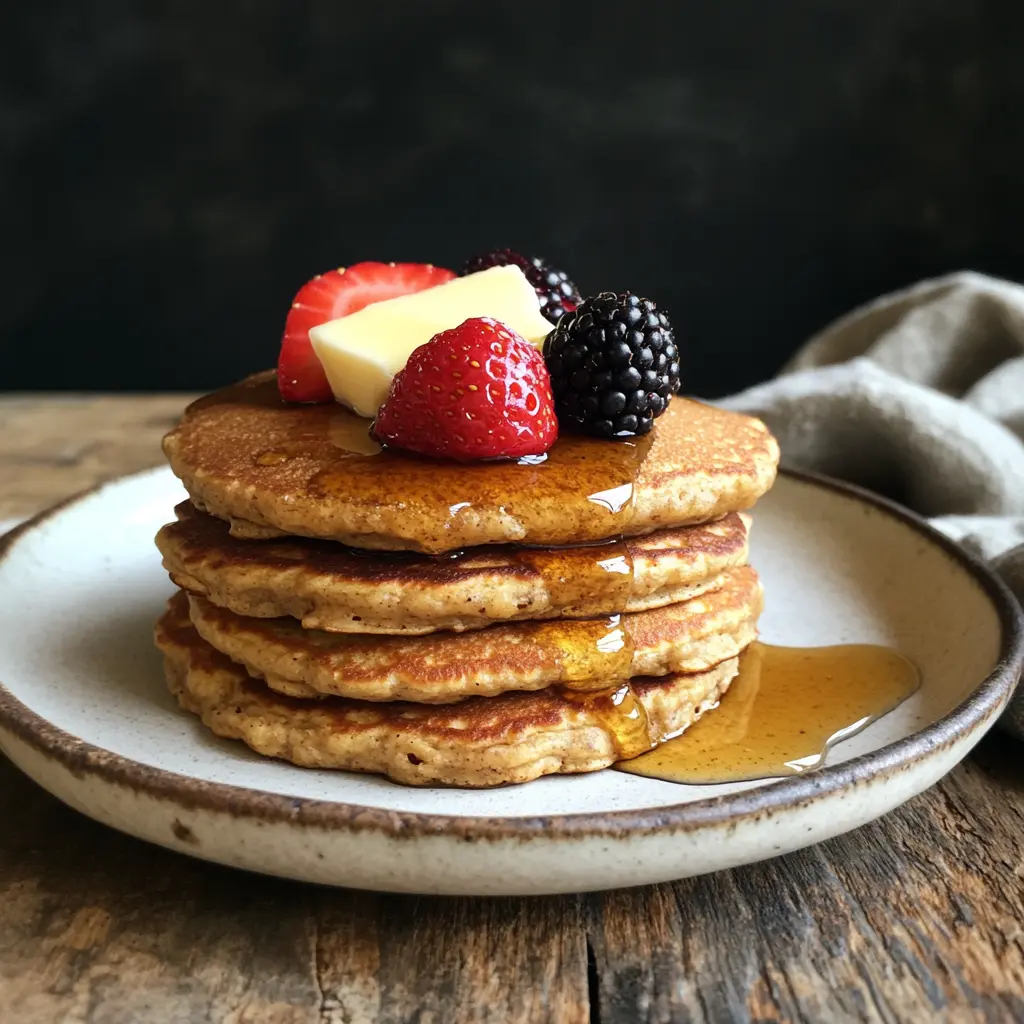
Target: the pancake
pixel 272 469
pixel 580 655
pixel 483 741
pixel 328 586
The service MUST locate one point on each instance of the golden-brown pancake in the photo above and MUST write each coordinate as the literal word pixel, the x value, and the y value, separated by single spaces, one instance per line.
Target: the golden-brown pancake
pixel 274 469
pixel 582 655
pixel 483 741
pixel 329 586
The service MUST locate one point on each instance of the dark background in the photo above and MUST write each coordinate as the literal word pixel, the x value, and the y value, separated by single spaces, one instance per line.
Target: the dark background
pixel 171 173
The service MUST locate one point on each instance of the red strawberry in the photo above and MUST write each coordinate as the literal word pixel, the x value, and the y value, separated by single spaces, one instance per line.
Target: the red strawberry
pixel 478 391
pixel 300 377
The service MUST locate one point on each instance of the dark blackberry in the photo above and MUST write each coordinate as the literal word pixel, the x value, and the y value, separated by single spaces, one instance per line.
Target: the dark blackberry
pixel 614 365
pixel 557 294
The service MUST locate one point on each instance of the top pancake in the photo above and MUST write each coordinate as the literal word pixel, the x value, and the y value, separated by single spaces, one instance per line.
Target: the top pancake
pixel 272 469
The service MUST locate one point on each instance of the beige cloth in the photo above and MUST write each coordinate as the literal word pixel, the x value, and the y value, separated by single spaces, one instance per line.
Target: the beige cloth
pixel 919 395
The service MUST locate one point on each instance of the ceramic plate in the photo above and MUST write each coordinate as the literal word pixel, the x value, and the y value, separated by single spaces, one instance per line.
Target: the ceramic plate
pixel 84 711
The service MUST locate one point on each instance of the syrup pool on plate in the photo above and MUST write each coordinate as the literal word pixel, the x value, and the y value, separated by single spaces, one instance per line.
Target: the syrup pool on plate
pixel 782 713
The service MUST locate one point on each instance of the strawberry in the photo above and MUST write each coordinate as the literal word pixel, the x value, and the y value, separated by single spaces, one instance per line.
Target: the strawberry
pixel 477 391
pixel 332 295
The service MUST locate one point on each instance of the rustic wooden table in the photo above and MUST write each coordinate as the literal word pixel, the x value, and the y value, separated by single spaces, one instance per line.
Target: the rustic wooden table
pixel 918 917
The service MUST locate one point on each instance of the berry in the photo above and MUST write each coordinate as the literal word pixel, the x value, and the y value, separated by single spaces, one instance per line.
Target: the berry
pixel 614 365
pixel 556 293
pixel 300 377
pixel 477 391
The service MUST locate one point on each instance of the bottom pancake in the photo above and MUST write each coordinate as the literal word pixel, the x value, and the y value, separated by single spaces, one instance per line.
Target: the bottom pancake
pixel 483 741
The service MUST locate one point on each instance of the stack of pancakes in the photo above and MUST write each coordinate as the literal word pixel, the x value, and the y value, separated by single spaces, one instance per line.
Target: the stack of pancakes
pixel 444 623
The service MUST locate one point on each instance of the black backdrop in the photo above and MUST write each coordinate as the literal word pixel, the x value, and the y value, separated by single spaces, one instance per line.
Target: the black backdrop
pixel 171 172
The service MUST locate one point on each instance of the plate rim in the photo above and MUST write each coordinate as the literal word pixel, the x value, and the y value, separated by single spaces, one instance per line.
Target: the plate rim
pixel 978 710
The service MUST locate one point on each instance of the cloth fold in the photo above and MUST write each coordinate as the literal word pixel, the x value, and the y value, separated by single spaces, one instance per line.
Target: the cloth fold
pixel 919 396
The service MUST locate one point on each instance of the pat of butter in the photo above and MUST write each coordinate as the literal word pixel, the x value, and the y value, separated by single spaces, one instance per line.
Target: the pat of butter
pixel 361 352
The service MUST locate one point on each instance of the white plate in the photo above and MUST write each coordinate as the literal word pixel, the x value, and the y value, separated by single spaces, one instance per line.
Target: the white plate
pixel 84 711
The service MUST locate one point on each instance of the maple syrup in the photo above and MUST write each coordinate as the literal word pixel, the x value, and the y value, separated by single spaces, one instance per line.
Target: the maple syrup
pixel 591 481
pixel 782 713
pixel 622 714
pixel 779 716
pixel 591 580
pixel 585 580
pixel 595 655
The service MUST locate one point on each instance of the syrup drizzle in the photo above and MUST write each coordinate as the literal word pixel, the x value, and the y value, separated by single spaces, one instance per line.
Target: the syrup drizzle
pixel 576 474
pixel 622 714
pixel 593 580
pixel 782 713
pixel 592 481
pixel 595 655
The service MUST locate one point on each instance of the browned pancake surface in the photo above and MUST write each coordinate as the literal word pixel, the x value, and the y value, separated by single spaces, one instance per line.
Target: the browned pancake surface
pixel 270 468
pixel 330 586
pixel 483 741
pixel 441 668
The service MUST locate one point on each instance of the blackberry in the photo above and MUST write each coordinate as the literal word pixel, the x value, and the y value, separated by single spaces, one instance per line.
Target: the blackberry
pixel 557 294
pixel 614 365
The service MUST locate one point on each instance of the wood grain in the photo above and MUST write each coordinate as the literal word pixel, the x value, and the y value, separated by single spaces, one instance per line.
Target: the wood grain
pixel 917 917
pixel 53 448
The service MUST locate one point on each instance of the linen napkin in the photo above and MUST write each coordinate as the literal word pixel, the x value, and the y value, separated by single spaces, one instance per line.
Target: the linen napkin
pixel 919 395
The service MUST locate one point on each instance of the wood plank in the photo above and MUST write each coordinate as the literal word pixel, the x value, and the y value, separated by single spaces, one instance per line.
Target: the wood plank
pixel 80 909
pixel 404 958
pixel 919 916
pixel 51 448
pixel 97 926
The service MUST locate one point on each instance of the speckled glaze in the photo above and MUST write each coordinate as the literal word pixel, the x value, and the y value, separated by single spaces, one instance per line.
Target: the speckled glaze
pixel 84 711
